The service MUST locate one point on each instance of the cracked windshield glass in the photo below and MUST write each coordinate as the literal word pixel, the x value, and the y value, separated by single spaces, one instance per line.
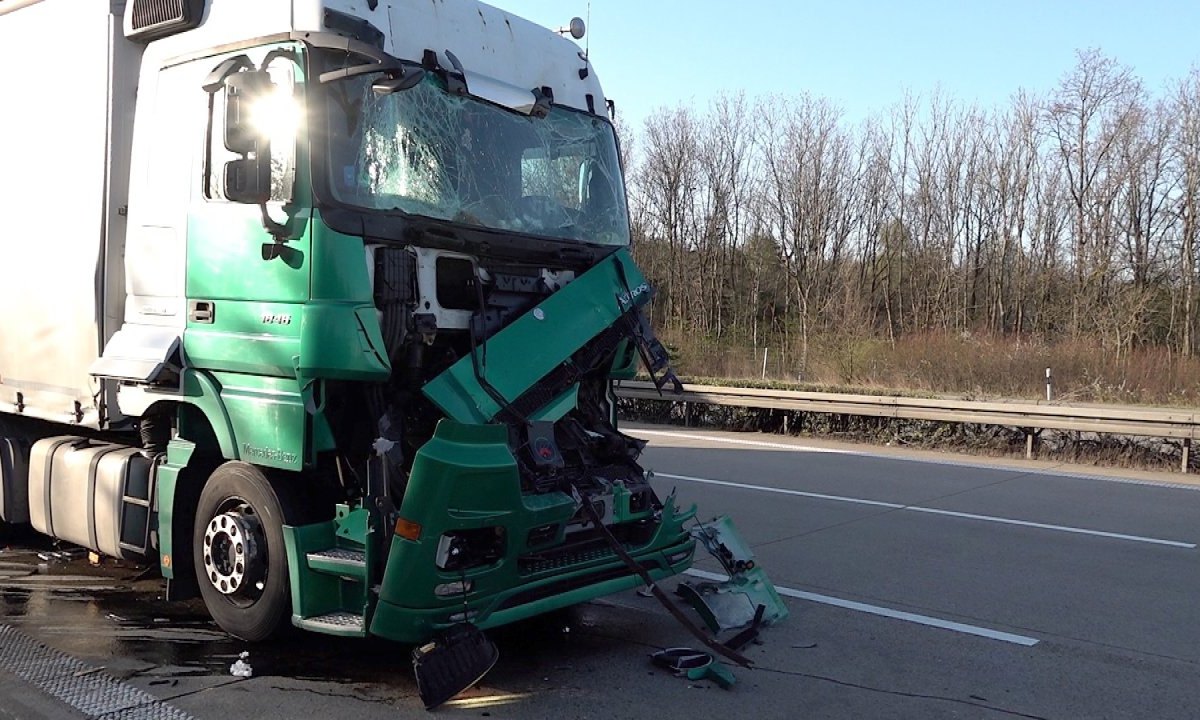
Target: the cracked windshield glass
pixel 426 152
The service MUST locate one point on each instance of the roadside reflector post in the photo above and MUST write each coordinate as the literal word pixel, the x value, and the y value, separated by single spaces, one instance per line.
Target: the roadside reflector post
pixel 1047 384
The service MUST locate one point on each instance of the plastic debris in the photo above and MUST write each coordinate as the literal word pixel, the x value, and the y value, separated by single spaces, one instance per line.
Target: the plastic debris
pixel 452 663
pixel 747 598
pixel 242 668
pixel 695 665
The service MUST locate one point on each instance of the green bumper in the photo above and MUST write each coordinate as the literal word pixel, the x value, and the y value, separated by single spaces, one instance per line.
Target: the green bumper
pixel 418 624
pixel 465 479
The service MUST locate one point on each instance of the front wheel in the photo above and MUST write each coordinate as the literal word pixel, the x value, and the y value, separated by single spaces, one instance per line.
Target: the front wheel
pixel 240 559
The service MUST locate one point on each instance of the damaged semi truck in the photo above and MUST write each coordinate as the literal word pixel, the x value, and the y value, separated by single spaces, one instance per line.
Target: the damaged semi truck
pixel 317 305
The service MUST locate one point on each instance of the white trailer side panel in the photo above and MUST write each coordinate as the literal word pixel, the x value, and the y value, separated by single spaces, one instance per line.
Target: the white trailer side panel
pixel 68 77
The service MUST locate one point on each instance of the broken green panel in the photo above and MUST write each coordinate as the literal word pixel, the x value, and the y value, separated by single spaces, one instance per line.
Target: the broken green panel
pixel 540 340
pixel 733 603
pixel 716 671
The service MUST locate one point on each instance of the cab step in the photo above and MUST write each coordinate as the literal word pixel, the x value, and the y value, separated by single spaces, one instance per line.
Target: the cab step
pixel 343 562
pixel 334 623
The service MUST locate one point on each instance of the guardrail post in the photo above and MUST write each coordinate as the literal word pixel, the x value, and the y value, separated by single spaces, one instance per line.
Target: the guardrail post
pixel 687 414
pixel 1029 443
pixel 1187 455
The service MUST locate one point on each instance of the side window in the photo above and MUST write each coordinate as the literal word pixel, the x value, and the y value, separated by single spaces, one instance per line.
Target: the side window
pixel 279 116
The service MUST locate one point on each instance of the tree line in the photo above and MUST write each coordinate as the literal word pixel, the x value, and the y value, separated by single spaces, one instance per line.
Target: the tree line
pixel 1072 215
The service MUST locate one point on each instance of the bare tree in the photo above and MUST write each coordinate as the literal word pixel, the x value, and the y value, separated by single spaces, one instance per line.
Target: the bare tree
pixel 1094 105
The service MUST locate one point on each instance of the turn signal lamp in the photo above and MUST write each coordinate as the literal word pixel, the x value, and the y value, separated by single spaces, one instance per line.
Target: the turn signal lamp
pixel 408 529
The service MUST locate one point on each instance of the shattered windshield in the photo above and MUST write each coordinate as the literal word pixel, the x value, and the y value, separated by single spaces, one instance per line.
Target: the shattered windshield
pixel 426 152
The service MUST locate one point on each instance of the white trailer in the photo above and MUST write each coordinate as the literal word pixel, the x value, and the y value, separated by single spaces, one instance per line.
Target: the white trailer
pixel 65 140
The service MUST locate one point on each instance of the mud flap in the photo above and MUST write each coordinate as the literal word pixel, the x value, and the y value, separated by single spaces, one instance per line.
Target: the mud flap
pixel 452 663
pixel 747 598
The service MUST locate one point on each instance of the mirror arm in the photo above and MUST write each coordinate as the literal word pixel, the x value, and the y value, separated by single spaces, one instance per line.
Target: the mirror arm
pixel 216 79
pixel 283 52
pixel 278 231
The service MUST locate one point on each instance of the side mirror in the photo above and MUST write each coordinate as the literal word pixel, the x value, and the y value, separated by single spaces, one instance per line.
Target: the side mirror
pixel 248 179
pixel 242 91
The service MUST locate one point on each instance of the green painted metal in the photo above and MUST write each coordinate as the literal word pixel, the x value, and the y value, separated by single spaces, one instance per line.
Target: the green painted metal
pixel 526 351
pixel 353 527
pixel 324 585
pixel 201 390
pixel 626 362
pixel 269 419
pixel 313 593
pixel 716 671
pixel 287 316
pixel 339 268
pixel 559 406
pixel 291 316
pixel 732 603
pixel 179 454
pixel 259 288
pixel 340 334
pixel 341 342
pixel 466 478
pixel 247 336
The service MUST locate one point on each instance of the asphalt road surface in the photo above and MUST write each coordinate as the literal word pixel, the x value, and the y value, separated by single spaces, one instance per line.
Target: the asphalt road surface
pixel 919 585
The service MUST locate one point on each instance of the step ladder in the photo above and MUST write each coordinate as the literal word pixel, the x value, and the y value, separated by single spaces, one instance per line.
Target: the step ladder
pixel 329 570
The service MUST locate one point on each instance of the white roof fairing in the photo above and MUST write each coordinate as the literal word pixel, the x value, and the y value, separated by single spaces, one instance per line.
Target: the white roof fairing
pixel 494 46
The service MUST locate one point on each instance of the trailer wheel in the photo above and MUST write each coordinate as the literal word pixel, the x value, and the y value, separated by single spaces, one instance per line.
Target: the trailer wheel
pixel 238 549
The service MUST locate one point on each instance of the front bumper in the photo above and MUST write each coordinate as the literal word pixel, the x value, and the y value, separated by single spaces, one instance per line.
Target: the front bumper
pixel 569 586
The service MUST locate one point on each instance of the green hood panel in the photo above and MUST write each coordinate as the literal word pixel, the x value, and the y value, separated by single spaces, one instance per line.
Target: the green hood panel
pixel 541 340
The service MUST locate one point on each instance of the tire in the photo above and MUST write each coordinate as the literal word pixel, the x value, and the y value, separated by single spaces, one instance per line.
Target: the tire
pixel 238 550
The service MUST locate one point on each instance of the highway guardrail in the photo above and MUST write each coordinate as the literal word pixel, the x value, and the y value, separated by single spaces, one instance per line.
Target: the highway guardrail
pixel 1174 423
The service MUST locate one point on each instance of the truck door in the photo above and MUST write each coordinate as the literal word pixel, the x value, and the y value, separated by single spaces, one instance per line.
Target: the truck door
pixel 246 287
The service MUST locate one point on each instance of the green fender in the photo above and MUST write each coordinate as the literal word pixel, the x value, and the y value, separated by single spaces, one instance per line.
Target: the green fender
pixel 272 422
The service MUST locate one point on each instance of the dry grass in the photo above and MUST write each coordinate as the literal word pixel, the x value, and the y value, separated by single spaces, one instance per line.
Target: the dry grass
pixel 965 365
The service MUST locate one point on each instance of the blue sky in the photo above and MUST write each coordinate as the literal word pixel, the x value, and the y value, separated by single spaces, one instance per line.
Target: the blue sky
pixel 863 54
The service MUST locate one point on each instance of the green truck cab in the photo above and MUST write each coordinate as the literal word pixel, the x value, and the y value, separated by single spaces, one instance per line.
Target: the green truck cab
pixel 318 305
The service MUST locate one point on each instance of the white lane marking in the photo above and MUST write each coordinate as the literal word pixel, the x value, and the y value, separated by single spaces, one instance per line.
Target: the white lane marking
pixel 888 612
pixel 929 461
pixel 784 491
pixel 934 511
pixel 738 441
pixel 1058 528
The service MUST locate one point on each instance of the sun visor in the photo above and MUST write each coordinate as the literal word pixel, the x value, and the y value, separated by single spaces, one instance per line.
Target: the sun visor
pixel 498 92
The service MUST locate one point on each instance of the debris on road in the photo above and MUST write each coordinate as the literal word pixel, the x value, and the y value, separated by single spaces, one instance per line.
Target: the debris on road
pixel 747 598
pixel 695 665
pixel 242 668
pixel 454 662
